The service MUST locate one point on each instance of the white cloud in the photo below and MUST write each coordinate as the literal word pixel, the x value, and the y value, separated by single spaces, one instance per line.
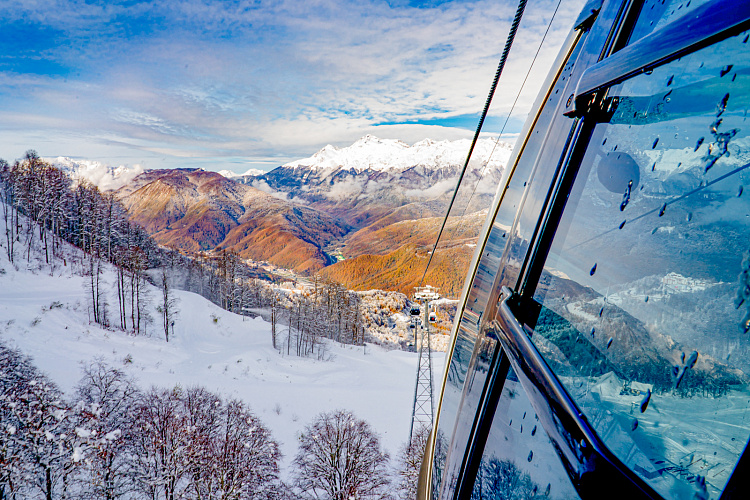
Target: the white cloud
pixel 264 79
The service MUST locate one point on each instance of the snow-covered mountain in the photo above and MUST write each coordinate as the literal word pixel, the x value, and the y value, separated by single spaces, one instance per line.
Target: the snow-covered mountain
pixel 373 177
pixel 380 155
pixel 245 178
pixel 104 176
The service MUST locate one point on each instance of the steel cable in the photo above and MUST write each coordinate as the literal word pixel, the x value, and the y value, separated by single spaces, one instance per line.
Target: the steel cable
pixel 500 66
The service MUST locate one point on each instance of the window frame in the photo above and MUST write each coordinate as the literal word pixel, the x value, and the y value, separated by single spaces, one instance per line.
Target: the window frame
pixel 591 465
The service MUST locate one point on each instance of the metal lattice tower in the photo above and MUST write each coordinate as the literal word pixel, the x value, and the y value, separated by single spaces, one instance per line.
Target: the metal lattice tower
pixel 423 411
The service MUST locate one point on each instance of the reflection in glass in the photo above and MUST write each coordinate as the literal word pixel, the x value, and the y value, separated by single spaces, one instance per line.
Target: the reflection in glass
pixel 519 462
pixel 644 317
pixel 657 13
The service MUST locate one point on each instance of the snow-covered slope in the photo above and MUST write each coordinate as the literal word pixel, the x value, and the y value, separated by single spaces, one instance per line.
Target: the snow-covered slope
pixel 44 312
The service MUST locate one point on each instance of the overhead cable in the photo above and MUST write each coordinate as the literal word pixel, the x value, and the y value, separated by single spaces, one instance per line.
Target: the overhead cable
pixel 500 66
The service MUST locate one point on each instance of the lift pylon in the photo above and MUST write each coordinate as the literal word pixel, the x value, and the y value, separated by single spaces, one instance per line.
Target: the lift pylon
pixel 423 410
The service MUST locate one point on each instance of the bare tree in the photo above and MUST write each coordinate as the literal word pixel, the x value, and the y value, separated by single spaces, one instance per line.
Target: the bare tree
pixel 409 463
pixel 168 306
pixel 340 458
pixel 104 402
pixel 160 444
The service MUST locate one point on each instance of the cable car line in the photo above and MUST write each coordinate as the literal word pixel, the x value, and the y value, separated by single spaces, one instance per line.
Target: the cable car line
pixel 518 95
pixel 498 72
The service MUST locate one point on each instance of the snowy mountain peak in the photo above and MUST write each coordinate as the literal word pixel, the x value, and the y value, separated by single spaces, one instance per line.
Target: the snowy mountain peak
pixel 375 154
pixel 232 175
pixel 105 177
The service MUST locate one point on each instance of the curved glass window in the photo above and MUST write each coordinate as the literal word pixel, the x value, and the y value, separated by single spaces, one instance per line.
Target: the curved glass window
pixel 519 461
pixel 645 293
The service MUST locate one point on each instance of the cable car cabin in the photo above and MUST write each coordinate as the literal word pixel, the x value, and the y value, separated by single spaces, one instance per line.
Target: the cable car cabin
pixel 414 311
pixel 433 318
pixel 601 347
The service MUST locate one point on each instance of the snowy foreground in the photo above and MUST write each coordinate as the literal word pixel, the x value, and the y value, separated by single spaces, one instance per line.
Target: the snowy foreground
pixel 45 313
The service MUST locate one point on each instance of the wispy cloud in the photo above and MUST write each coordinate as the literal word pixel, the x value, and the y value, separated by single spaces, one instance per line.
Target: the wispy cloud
pixel 169 81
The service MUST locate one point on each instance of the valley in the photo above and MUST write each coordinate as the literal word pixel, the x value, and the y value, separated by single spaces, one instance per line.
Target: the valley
pixel 366 215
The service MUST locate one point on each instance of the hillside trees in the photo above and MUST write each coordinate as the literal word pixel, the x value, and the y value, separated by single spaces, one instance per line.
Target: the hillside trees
pixel 35 433
pixel 113 441
pixel 58 209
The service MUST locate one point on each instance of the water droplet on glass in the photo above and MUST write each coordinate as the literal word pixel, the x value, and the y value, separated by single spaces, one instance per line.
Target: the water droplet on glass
pixel 546 492
pixel 739 192
pixel 714 128
pixel 649 71
pixel 593 332
pixel 671 79
pixel 604 141
pixel 698 144
pixel 662 209
pixel 593 270
pixel 682 358
pixel 689 216
pixel 710 162
pixel 524 415
pixel 531 456
pixel 533 431
pixel 646 299
pixel 645 401
pixel 677 373
pixel 653 231
pixel 609 342
pixel 726 69
pixel 656 141
pixel 510 424
pixel 521 428
pixel 722 106
pixel 626 196
pixel 601 311
pixel 622 224
pixel 691 360
pixel 634 424
pixel 653 167
pixel 745 40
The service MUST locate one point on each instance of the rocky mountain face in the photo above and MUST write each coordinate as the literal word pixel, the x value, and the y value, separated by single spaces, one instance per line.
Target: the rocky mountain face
pixel 195 210
pixel 378 201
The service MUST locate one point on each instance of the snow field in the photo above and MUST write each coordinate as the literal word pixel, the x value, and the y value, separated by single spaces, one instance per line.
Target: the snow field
pixel 45 314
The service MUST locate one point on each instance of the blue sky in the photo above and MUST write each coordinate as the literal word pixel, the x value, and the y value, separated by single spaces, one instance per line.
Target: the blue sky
pixel 241 84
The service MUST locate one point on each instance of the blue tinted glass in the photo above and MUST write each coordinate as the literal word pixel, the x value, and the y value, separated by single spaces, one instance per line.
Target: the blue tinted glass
pixel 657 13
pixel 646 291
pixel 519 461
